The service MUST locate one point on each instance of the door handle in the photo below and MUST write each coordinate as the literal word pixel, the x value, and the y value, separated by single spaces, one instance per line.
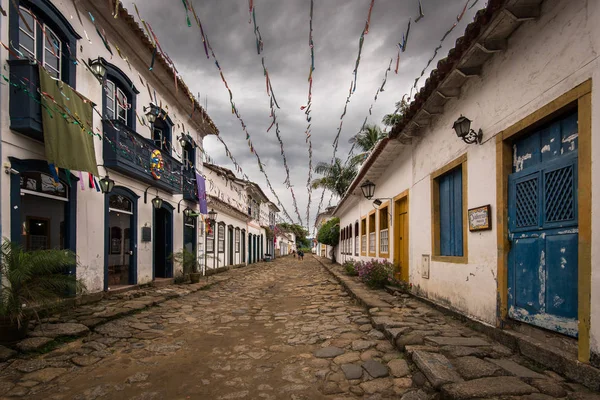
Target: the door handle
pixel 130 252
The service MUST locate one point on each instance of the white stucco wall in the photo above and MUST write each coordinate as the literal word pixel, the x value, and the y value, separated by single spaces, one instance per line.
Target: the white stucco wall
pixel 544 59
pixel 90 204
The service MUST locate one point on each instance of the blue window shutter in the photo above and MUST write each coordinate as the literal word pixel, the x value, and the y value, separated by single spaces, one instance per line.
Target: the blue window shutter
pixel 451 214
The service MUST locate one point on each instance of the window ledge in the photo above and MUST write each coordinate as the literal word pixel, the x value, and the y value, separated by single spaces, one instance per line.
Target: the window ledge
pixel 384 255
pixel 451 259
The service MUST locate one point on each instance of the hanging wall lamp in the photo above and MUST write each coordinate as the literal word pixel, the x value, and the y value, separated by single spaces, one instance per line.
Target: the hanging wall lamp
pixel 462 127
pixel 368 189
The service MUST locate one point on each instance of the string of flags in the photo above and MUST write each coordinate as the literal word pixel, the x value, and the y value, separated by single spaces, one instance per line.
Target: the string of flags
pixel 307 112
pixel 350 91
pixel 273 105
pixel 208 49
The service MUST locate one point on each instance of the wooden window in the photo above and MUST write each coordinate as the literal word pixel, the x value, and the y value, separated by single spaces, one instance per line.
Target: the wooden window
pixel 210 239
pixel 356 239
pixel 372 234
pixel 363 232
pixel 27 38
pixel 384 230
pixel 449 211
pixel 52 52
pixel 221 243
pixel 237 240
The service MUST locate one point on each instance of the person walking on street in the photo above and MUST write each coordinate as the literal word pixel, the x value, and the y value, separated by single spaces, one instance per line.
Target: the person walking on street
pixel 300 254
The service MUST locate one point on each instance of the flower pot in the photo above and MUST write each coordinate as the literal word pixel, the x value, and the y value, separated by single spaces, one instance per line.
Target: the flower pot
pixel 9 332
pixel 195 277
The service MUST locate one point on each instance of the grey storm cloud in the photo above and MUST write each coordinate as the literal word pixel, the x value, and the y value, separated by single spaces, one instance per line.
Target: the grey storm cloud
pixel 284 27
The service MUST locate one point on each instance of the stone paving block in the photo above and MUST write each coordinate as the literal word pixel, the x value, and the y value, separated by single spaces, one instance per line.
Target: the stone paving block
pixel 44 375
pixel 375 369
pixel 32 344
pixel 548 387
pixel 57 330
pixel 457 341
pixel 408 339
pixel 393 333
pixel 377 385
pixel 463 351
pixel 352 371
pixel 436 367
pixel 472 367
pixel 412 348
pixel 487 387
pixel 398 367
pixel 6 353
pixel 515 369
pixel 359 345
pixel 329 352
pixel 347 358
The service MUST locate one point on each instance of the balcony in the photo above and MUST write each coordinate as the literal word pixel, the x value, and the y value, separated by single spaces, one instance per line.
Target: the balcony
pixel 24 105
pixel 129 153
pixel 190 189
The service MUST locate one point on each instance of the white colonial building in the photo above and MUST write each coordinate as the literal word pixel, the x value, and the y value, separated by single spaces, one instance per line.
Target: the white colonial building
pixel 144 134
pixel 498 227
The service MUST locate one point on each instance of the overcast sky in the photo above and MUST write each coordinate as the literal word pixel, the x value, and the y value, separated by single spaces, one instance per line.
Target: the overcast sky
pixel 284 25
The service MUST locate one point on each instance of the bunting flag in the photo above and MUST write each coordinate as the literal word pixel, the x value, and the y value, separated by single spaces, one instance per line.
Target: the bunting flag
pixel 201 186
pixel 421 15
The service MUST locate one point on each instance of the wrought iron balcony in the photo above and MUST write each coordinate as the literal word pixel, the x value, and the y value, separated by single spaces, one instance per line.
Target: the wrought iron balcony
pixel 24 103
pixel 129 153
pixel 190 189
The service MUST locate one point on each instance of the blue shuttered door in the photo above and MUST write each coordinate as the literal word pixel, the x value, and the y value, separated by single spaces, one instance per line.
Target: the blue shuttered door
pixel 543 232
pixel 451 213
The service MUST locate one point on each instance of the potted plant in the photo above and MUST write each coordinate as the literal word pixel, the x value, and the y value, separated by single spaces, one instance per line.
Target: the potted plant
pixel 189 262
pixel 31 281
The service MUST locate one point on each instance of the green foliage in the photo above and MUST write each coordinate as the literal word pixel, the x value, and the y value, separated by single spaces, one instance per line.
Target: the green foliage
pixel 329 233
pixel 366 140
pixel 306 250
pixel 376 274
pixel 299 231
pixel 187 260
pixel 336 177
pixel 33 280
pixel 350 268
pixel 398 115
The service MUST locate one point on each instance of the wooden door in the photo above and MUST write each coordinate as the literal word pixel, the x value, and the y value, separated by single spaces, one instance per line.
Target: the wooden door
pixel 401 238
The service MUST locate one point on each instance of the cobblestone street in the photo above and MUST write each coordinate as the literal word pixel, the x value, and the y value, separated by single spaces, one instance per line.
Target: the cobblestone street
pixel 281 330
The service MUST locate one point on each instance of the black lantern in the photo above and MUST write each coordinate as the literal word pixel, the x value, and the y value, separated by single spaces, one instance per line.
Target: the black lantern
pixel 212 215
pixel 157 202
pixel 182 140
pixel 98 67
pixel 368 189
pixel 376 202
pixel 188 212
pixel 462 127
pixel 152 112
pixel 106 184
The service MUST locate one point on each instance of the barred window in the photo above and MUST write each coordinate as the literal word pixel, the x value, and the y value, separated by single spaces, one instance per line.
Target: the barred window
pixel 221 239
pixel 383 241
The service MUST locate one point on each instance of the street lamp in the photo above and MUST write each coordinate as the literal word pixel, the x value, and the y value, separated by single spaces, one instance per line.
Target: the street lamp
pixel 188 212
pixel 183 140
pixel 368 189
pixel 462 127
pixel 98 67
pixel 212 215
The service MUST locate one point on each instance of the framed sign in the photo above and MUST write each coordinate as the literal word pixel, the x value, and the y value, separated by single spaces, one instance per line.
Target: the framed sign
pixel 479 219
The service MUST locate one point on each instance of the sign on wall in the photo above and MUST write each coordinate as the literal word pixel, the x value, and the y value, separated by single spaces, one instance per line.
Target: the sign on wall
pixel 479 218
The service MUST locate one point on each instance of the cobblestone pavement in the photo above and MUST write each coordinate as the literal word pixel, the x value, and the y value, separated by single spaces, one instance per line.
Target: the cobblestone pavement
pixel 281 330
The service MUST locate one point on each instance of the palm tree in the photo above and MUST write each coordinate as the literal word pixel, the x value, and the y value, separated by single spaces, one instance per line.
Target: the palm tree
pixel 398 115
pixel 336 177
pixel 366 140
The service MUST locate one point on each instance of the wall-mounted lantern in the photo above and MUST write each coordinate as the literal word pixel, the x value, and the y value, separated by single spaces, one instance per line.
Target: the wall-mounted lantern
pixel 368 189
pixel 157 202
pixel 98 67
pixel 152 112
pixel 106 184
pixel 462 127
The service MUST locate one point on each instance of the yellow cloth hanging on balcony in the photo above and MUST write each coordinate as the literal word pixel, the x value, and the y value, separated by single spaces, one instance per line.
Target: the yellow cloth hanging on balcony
pixel 67 124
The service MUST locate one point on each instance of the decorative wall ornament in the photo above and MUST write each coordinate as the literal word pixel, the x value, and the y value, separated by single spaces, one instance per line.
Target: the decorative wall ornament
pixel 157 165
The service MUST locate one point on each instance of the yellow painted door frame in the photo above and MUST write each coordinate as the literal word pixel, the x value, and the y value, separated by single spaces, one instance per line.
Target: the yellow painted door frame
pixel 400 222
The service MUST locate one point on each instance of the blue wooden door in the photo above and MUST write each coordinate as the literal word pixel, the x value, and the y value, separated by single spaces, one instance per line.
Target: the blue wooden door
pixel 543 230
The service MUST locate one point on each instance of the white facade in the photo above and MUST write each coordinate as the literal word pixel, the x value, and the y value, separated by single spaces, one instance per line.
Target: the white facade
pixel 90 221
pixel 547 63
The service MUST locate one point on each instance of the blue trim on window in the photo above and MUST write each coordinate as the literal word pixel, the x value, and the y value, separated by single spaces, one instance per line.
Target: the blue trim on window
pixel 166 125
pixel 451 213
pixel 133 197
pixel 49 14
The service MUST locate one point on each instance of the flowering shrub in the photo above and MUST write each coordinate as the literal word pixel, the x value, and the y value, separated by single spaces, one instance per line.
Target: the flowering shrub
pixel 350 267
pixel 376 274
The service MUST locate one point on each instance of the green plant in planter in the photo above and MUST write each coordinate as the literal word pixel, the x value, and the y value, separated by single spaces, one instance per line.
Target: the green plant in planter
pixel 31 281
pixel 189 262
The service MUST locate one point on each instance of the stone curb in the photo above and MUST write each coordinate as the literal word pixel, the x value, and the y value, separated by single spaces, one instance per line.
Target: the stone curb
pixel 553 359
